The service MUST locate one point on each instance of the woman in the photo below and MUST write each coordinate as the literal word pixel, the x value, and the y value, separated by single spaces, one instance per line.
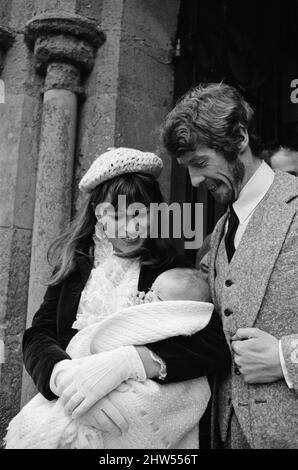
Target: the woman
pixel 133 262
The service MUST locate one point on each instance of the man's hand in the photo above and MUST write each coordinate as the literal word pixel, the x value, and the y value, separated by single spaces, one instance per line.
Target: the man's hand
pixel 256 354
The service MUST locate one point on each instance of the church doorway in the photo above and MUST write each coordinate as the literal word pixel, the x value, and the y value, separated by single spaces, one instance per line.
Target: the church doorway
pixel 251 45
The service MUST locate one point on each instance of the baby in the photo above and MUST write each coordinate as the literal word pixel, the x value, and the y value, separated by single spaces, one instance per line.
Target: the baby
pixel 177 284
pixel 156 415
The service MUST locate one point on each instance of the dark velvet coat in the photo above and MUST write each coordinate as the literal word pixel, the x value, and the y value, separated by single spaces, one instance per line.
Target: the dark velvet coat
pixel 45 342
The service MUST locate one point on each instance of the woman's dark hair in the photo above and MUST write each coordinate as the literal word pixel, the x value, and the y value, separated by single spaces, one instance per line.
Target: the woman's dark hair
pixel 78 238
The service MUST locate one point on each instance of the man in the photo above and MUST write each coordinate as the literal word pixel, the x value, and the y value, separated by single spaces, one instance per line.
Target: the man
pixel 253 267
pixel 285 159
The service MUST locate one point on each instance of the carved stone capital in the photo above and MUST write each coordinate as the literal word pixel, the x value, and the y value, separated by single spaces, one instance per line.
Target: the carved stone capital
pixel 63 76
pixel 63 37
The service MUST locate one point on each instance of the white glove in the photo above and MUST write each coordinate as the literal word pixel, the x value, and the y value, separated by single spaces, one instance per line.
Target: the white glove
pixel 98 375
pixel 62 375
pixel 106 417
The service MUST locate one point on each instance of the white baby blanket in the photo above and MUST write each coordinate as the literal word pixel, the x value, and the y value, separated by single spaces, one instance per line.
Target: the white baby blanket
pixel 159 416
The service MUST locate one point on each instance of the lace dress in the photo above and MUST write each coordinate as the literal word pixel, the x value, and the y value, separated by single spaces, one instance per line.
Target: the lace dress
pixel 112 283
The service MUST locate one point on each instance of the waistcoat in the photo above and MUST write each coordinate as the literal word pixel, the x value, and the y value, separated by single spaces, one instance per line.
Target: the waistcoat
pixel 226 305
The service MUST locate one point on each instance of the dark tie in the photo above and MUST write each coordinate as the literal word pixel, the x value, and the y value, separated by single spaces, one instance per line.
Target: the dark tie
pixel 230 235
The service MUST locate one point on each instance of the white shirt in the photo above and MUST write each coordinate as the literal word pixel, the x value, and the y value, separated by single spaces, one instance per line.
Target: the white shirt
pixel 249 198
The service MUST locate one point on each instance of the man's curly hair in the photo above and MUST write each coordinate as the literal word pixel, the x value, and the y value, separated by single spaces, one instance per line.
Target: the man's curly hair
pixel 211 115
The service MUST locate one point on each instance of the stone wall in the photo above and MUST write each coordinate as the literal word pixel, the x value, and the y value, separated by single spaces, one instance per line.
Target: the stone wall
pixel 19 132
pixel 130 89
pixel 127 92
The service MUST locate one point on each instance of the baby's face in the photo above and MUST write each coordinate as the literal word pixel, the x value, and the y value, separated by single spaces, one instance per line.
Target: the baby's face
pixel 167 288
pixel 163 289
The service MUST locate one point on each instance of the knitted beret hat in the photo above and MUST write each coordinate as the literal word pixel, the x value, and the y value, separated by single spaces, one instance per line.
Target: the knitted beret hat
pixel 117 161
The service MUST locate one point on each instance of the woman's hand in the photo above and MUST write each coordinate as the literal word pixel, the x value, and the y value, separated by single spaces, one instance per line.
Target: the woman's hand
pixel 62 375
pixel 98 375
pixel 106 417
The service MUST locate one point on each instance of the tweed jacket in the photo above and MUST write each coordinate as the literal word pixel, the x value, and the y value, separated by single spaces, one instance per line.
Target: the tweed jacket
pixel 262 292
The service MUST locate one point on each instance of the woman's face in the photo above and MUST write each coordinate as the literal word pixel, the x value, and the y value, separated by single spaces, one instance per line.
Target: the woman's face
pixel 126 228
pixel 127 246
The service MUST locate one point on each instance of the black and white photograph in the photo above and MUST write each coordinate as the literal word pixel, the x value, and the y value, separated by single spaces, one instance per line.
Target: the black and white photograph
pixel 148 229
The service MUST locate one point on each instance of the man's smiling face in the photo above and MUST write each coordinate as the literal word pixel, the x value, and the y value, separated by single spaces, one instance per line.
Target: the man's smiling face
pixel 223 179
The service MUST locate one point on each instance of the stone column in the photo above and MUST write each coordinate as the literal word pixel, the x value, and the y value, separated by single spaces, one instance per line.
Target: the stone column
pixel 6 40
pixel 64 47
